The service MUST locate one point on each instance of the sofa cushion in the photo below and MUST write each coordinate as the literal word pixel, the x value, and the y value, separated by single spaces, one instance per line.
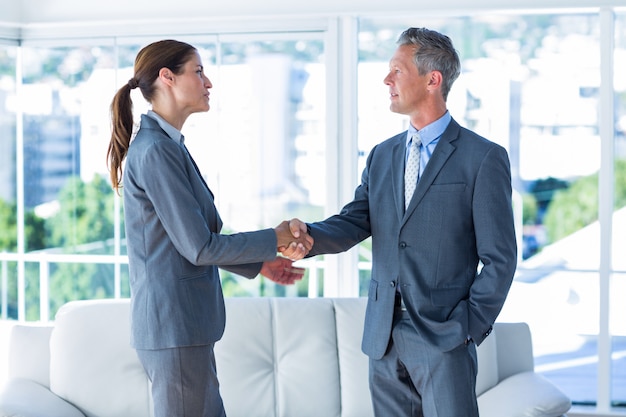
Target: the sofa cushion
pixel 354 364
pixel 524 395
pixel 16 400
pixel 278 357
pixel 91 362
pixel 249 376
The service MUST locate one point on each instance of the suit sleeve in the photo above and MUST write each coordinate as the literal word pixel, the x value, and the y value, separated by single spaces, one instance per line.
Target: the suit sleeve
pixel 495 242
pixel 342 231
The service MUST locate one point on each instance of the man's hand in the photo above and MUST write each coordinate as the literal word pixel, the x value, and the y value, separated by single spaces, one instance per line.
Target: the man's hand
pixel 282 271
pixel 293 240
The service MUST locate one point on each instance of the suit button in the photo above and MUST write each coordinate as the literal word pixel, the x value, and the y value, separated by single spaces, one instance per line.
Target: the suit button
pixel 392 284
pixel 402 245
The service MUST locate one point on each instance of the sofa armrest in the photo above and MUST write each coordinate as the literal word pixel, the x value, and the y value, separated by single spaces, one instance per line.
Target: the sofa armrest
pixel 26 398
pixel 515 349
pixel 525 394
pixel 29 352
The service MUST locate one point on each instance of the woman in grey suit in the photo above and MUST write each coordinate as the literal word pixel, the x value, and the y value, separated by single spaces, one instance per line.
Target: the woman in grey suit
pixel 173 234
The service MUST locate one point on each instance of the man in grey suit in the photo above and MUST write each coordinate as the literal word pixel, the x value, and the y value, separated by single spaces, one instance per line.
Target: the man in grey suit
pixel 429 303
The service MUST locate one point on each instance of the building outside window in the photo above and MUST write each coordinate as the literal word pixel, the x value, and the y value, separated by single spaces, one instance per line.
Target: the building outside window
pixel 259 148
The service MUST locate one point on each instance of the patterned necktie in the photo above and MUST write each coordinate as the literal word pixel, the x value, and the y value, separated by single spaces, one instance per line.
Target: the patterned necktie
pixel 412 169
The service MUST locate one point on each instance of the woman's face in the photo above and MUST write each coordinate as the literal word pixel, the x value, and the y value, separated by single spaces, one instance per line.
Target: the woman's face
pixel 192 87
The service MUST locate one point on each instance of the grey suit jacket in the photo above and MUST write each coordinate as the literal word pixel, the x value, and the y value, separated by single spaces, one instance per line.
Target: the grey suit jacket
pixel 461 213
pixel 174 245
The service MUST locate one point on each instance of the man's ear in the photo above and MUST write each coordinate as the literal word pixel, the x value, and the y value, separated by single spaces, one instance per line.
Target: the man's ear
pixel 435 79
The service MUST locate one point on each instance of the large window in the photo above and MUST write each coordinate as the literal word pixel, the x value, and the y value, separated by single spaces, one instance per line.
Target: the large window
pixel 69 208
pixel 8 190
pixel 532 84
pixel 280 140
pixel 616 288
pixel 261 148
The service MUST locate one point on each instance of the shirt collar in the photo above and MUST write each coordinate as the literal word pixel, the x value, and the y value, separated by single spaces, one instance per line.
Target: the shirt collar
pixel 432 131
pixel 170 130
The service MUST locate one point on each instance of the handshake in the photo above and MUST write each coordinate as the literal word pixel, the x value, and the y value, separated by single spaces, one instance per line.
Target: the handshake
pixel 293 240
pixel 294 243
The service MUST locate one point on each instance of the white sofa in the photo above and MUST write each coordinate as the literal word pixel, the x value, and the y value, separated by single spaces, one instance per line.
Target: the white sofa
pixel 288 357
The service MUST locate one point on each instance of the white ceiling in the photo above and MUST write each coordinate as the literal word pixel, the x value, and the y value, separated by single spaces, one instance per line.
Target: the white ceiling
pixel 35 12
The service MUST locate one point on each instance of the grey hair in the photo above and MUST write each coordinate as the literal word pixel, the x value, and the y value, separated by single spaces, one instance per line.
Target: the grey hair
pixel 434 52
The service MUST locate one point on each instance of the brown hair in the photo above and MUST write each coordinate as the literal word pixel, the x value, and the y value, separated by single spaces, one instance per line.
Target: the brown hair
pixel 169 54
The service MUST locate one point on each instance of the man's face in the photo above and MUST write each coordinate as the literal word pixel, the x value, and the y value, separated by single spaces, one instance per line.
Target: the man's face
pixel 407 88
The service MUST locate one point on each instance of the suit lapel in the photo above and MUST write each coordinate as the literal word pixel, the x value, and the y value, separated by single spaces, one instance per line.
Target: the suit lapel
pixel 195 167
pixel 215 222
pixel 212 216
pixel 442 152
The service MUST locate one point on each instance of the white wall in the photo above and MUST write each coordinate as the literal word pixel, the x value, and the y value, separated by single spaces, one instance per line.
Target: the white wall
pixel 9 18
pixel 10 11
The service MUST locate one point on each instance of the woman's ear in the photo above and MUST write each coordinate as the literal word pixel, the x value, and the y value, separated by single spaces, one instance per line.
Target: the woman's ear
pixel 166 76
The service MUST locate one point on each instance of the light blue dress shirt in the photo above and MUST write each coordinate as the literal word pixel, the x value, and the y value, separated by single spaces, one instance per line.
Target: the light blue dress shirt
pixel 430 135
